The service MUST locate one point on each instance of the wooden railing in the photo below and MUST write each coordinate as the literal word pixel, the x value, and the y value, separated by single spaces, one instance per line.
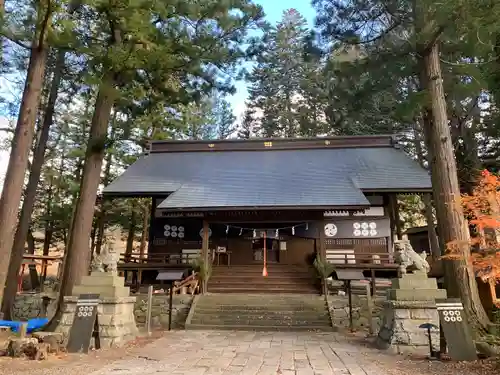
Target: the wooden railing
pixel 160 258
pixel 349 257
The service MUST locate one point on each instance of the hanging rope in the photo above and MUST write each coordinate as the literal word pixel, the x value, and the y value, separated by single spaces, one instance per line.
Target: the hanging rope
pixel 257 230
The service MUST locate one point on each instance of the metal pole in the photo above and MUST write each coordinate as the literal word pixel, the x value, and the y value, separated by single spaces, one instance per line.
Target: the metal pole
pixel 369 302
pixel 150 308
pixel 170 306
pixel 431 350
pixel 351 325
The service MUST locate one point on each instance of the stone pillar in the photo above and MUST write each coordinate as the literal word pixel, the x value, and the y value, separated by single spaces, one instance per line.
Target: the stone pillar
pixel 411 302
pixel 115 311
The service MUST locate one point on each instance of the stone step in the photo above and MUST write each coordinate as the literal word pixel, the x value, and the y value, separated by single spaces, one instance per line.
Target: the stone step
pixel 275 269
pixel 310 328
pixel 262 322
pixel 264 283
pixel 257 289
pixel 254 315
pixel 259 267
pixel 260 278
pixel 270 307
pixel 260 312
pixel 261 300
pixel 258 273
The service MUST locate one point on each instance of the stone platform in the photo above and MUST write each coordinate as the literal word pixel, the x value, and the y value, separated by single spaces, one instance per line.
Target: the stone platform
pixel 115 312
pixel 410 303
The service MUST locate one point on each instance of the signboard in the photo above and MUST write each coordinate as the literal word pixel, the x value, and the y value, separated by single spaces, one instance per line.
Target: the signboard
pixel 357 228
pixel 348 276
pixel 170 277
pixel 84 325
pixel 456 330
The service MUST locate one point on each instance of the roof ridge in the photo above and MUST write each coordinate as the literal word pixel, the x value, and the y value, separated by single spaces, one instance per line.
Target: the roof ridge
pixel 269 144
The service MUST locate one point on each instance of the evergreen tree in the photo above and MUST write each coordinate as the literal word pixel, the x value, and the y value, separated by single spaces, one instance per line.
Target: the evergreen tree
pixel 169 56
pixel 279 79
pixel 224 118
pixel 415 34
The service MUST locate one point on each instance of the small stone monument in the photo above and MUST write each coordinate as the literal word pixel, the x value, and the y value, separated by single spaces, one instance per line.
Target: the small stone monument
pixel 410 303
pixel 116 306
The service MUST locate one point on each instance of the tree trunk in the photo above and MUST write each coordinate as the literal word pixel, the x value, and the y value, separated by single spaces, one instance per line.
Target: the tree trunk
pixel 76 264
pixel 459 275
pixel 130 237
pixel 145 230
pixel 18 161
pixel 427 198
pixel 34 280
pixel 31 189
pixel 436 252
pixel 101 216
pixel 93 239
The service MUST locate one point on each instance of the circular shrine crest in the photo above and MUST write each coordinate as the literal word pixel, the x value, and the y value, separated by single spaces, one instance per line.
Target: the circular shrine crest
pixel 330 230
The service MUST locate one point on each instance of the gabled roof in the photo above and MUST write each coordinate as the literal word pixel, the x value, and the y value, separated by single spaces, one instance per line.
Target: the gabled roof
pixel 281 173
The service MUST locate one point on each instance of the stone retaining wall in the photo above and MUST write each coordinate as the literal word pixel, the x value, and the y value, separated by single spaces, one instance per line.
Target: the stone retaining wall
pixel 28 306
pixel 339 311
pixel 159 316
pixel 401 324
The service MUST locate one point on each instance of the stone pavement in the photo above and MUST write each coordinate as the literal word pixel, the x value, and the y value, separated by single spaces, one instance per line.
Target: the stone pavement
pixel 247 353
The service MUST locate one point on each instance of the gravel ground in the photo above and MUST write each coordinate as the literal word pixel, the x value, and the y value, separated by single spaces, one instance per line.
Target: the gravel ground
pixel 417 364
pixel 72 364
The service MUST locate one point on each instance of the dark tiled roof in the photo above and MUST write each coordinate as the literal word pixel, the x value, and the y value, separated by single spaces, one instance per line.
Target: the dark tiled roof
pixel 325 177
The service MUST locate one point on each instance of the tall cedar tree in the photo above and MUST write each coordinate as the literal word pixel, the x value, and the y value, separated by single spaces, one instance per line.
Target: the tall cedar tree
pixel 275 82
pixel 24 131
pixel 180 47
pixel 224 118
pixel 372 22
pixel 34 178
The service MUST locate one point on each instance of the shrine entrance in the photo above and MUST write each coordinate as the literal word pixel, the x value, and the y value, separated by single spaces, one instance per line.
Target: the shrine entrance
pixel 270 245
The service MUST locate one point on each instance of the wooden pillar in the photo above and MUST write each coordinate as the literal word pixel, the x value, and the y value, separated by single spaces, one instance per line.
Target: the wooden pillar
pixel 205 242
pixel 396 229
pixel 205 252
pixel 152 217
pixel 322 243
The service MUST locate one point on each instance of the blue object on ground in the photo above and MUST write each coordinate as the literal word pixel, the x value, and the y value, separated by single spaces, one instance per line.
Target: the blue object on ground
pixel 33 324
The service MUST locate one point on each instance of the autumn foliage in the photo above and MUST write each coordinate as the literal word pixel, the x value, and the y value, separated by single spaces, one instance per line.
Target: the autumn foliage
pixel 482 210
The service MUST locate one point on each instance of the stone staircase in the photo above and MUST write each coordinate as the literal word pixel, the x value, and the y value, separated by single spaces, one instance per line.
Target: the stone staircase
pixel 259 312
pixel 248 279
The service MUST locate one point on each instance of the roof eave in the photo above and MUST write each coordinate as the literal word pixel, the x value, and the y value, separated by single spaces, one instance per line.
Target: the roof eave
pixel 134 194
pixel 266 208
pixel 419 190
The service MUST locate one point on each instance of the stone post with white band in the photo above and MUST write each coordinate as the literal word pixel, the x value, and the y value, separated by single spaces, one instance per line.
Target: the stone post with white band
pixel 456 329
pixel 115 310
pixel 410 303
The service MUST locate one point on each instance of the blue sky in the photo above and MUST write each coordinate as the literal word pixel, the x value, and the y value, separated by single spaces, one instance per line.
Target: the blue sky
pixel 274 10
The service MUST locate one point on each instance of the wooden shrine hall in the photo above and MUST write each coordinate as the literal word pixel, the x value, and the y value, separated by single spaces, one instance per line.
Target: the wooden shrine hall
pixel 242 203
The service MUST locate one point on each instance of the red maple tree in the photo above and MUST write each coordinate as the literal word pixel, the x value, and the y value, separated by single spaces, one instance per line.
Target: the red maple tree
pixel 482 209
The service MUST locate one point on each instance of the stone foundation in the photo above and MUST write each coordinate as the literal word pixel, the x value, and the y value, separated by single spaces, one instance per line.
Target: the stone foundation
pixel 159 315
pixel 401 321
pixel 339 311
pixel 29 306
pixel 115 316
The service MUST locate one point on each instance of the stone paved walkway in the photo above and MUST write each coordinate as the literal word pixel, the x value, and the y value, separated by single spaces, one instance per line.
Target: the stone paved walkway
pixel 247 353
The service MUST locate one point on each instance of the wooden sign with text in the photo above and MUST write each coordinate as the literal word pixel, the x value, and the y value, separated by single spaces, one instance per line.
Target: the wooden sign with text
pixel 85 325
